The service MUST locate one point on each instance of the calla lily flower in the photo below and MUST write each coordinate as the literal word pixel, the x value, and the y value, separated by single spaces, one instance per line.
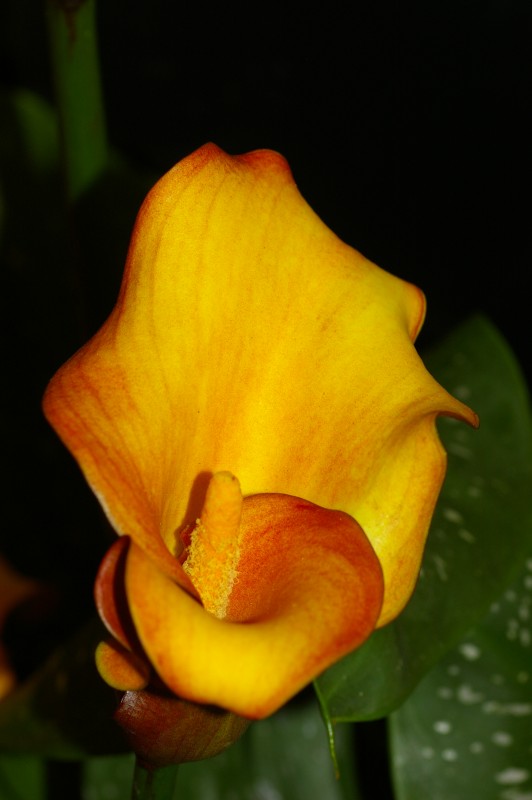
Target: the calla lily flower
pixel 260 430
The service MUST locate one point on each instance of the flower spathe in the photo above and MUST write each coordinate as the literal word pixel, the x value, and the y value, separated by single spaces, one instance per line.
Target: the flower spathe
pixel 249 341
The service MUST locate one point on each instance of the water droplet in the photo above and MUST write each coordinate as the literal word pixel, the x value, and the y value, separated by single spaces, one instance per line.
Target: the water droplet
pixel 512 775
pixel 263 790
pixel 513 709
pixel 441 567
pixel 466 695
pixel 449 754
pixel 451 515
pixel 524 637
pixel 502 738
pixel 515 794
pixel 442 726
pixel 466 535
pixel 470 651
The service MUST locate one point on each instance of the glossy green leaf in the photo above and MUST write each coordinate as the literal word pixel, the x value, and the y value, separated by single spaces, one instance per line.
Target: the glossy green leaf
pixel 285 756
pixel 467 729
pixel 476 542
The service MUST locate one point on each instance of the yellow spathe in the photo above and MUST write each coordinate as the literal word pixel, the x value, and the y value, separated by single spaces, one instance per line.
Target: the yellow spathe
pixel 247 338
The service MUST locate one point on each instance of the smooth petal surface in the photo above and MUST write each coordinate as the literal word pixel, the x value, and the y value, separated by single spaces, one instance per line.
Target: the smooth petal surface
pixel 309 589
pixel 120 668
pixel 248 338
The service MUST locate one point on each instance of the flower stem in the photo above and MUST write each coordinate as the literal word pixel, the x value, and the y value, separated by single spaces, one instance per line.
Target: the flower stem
pixel 74 55
pixel 156 784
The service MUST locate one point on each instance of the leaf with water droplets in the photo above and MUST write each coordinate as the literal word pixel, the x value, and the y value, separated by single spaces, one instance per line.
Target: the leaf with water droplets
pixel 476 542
pixel 467 729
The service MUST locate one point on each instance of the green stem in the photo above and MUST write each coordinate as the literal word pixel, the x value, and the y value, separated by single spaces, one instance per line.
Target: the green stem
pixel 74 54
pixel 157 784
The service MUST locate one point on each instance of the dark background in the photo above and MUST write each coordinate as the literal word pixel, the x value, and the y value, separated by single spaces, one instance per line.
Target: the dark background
pixel 405 123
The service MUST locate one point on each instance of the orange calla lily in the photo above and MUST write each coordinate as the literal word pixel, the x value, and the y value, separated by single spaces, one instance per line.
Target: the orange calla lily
pixel 249 341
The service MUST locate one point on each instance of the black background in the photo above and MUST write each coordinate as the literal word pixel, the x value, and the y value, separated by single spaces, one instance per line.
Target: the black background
pixel 406 124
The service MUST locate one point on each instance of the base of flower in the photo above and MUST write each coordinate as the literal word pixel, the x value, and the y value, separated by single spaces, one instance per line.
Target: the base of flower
pixel 165 730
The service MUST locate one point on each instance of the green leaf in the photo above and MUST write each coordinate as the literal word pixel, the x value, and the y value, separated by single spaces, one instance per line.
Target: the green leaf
pixel 285 756
pixel 76 69
pixel 22 778
pixel 476 541
pixel 466 730
pixel 108 777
